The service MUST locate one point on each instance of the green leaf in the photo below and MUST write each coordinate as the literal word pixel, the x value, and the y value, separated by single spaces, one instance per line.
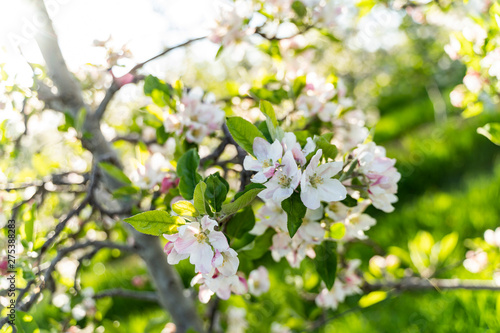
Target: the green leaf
pixel 241 223
pixel 115 172
pixel 491 131
pixel 159 91
pixel 326 262
pixel 249 187
pixel 161 135
pixel 260 245
pixel 299 8
pixel 243 132
pixel 447 245
pixel 199 198
pixel 25 323
pixel 216 191
pixel 155 222
pixel 372 298
pixel 295 212
pixel 298 85
pixel 329 150
pixel 184 208
pixel 187 167
pixel 268 110
pixel 350 201
pixel 241 202
pixel 126 191
pixel 219 51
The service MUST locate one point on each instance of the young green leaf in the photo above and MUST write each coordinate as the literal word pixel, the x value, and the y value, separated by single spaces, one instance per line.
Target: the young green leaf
pixel 295 212
pixel 216 191
pixel 155 222
pixel 241 202
pixel 243 132
pixel 188 176
pixel 115 172
pixel 326 262
pixel 199 198
pixel 268 110
pixel 329 150
pixel 184 208
pixel 241 223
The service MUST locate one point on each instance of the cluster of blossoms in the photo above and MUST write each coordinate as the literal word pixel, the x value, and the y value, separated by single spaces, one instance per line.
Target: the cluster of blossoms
pixel 279 166
pixel 317 99
pixel 470 44
pixel 381 175
pixel 294 249
pixel 347 283
pixel 241 18
pixel 355 222
pixel 215 262
pixel 487 253
pixel 196 117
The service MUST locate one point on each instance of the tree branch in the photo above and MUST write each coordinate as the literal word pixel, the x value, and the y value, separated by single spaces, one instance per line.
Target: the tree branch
pixel 414 283
pixel 142 295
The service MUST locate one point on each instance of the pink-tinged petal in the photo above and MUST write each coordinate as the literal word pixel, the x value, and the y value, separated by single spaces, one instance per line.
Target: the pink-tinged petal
pixel 207 223
pixel 168 247
pixel 328 170
pixel 217 259
pixel 332 190
pixel 172 237
pixel 298 155
pixel 198 278
pixel 251 164
pixel 239 286
pixel 204 294
pixel 310 197
pixel 202 258
pixel 269 172
pixel 218 240
pixel 230 264
pixel 281 194
pixel 276 151
pixel 259 177
pixel 173 258
pixel 224 293
pixel 290 166
pixel 261 148
pixel 186 245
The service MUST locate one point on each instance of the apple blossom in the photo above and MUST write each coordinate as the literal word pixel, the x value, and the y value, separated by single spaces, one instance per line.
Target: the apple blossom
pixel 284 182
pixel 317 184
pixel 258 281
pixel 271 215
pixel 236 322
pixel 226 262
pixel 331 298
pixel 381 174
pixel 267 161
pixel 199 240
pixel 290 143
pixel 219 284
pixel 476 261
pixel 492 237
